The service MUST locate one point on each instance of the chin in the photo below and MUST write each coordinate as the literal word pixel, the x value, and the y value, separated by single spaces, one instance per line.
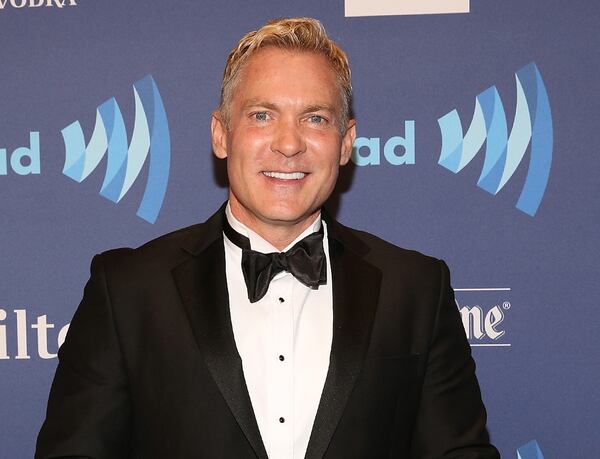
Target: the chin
pixel 287 214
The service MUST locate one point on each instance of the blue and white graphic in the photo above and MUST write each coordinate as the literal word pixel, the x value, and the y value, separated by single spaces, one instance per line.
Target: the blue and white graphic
pixel 530 450
pixel 150 135
pixel 503 154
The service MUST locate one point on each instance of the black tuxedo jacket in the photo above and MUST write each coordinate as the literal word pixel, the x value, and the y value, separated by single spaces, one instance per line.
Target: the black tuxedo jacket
pixel 149 368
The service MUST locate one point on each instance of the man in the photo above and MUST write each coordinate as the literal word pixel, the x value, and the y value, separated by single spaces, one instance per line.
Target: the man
pixel 336 345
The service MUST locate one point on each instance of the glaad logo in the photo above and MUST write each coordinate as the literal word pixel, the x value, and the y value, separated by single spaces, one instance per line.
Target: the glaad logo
pixel 530 450
pixel 390 153
pixel 503 154
pixel 150 134
pixel 32 165
pixel 397 7
pixel 36 3
pixel 483 324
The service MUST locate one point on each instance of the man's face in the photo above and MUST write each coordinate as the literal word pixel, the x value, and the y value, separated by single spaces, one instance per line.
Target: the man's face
pixel 283 144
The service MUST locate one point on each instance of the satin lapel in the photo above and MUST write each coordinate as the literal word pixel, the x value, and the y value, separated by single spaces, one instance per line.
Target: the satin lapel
pixel 356 286
pixel 203 290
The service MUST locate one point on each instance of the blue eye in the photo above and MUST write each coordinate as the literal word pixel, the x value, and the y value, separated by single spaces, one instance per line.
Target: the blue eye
pixel 316 119
pixel 260 116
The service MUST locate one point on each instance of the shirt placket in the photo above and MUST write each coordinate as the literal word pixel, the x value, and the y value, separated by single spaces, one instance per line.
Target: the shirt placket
pixel 281 365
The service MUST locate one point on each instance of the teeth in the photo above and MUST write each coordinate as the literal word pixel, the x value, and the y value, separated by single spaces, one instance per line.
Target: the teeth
pixel 285 175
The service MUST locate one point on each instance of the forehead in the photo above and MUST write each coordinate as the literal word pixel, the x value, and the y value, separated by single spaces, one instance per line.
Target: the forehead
pixel 273 73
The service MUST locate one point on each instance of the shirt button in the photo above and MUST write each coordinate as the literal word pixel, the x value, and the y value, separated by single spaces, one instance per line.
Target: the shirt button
pixel 281 358
pixel 281 300
pixel 282 420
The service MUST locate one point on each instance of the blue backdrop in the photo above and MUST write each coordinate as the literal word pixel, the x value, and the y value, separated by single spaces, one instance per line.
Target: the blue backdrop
pixel 525 284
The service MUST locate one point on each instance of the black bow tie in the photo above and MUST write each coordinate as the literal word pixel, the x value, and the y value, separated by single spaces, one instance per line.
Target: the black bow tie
pixel 305 261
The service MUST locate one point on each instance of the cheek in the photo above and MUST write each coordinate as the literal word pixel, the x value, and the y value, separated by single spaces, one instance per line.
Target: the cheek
pixel 329 138
pixel 328 155
pixel 249 148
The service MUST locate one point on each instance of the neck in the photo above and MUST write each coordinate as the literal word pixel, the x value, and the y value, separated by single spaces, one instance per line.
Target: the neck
pixel 278 234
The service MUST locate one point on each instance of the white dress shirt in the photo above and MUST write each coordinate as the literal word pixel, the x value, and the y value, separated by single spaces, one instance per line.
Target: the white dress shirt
pixel 284 341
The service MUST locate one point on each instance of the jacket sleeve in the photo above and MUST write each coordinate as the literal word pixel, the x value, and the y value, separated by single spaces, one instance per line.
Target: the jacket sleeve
pixel 451 419
pixel 89 413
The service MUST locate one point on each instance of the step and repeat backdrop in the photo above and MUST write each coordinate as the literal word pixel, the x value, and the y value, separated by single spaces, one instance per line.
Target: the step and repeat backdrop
pixel 478 143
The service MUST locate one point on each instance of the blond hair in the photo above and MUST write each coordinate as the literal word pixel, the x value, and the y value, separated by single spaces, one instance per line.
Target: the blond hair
pixel 296 34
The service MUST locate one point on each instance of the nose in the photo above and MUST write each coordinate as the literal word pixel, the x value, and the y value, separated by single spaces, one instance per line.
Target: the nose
pixel 288 139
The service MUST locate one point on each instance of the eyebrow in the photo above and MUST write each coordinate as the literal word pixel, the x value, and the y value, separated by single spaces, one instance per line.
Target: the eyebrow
pixel 271 106
pixel 318 108
pixel 259 103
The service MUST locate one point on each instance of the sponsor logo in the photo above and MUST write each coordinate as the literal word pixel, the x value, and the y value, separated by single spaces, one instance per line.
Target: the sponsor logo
pixel 503 154
pixel 483 311
pixel 14 343
pixel 150 135
pixel 401 7
pixel 36 3
pixel 23 160
pixel 367 151
pixel 530 450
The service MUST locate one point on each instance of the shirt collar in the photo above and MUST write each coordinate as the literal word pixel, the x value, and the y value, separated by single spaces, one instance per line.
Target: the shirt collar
pixel 257 242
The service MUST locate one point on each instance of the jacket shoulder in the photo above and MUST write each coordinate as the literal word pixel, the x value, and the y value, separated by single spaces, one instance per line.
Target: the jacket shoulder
pixel 381 252
pixel 162 253
pixel 402 268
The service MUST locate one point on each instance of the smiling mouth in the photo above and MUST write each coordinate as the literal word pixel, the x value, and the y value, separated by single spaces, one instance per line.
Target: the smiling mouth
pixel 285 175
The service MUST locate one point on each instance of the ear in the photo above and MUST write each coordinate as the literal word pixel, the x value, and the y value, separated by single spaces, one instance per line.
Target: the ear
pixel 218 132
pixel 348 142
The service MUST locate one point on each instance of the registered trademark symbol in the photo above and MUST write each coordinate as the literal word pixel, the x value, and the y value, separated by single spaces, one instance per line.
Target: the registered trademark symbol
pixel 506 305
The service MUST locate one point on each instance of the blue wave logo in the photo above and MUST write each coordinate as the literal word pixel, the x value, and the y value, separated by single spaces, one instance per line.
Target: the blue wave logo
pixel 503 154
pixel 150 135
pixel 530 450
